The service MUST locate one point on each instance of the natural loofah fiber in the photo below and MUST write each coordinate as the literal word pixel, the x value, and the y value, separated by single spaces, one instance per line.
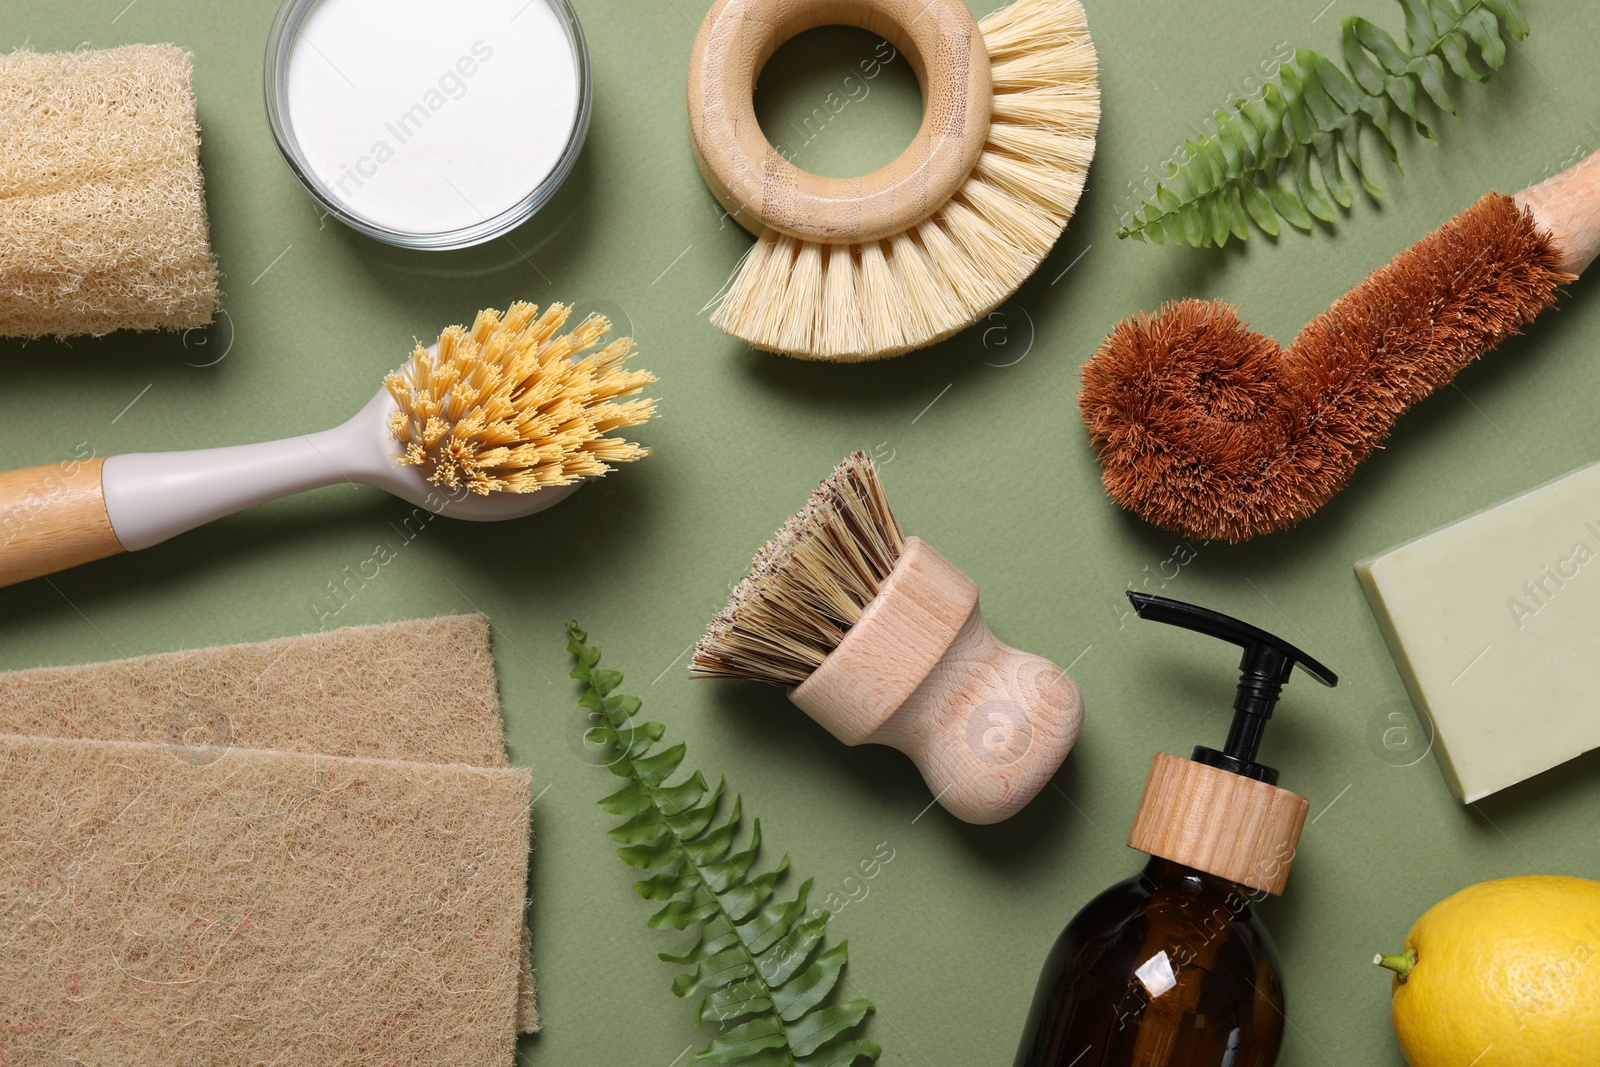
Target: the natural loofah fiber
pixel 415 690
pixel 849 303
pixel 102 203
pixel 1211 430
pixel 165 906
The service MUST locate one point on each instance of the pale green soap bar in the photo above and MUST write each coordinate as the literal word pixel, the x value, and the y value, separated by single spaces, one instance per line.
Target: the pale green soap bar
pixel 1494 624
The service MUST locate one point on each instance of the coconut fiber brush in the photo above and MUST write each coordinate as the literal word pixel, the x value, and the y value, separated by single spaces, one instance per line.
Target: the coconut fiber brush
pixel 862 268
pixel 495 422
pixel 1209 429
pixel 879 638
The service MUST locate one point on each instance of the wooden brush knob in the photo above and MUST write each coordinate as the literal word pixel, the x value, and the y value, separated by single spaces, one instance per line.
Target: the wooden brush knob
pixel 52 518
pixel 921 672
pixel 762 190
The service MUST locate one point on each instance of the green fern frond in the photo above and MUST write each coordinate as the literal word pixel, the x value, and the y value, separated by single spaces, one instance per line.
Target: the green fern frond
pixel 1296 153
pixel 756 963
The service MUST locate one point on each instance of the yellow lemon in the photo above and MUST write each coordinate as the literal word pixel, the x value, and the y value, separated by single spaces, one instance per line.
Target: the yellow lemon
pixel 1502 974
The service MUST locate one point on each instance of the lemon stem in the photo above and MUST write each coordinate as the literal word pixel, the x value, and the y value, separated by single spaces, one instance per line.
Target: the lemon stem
pixel 1400 965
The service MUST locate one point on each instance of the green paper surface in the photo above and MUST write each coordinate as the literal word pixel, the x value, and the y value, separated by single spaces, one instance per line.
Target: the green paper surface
pixel 983 454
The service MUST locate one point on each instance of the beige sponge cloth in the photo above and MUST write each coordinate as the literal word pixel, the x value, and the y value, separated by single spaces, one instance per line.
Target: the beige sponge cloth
pixel 420 690
pixel 102 204
pixel 164 906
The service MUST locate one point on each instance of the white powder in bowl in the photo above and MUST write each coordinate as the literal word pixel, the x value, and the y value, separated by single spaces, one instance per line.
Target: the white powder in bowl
pixel 429 116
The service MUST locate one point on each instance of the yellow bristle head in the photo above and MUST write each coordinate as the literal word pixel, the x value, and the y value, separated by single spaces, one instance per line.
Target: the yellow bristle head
pixel 808 585
pixel 512 406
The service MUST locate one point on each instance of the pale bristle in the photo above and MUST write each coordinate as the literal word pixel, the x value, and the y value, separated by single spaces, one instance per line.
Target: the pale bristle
pixel 1028 182
pixel 969 284
pixel 928 300
pixel 881 299
pixel 513 406
pixel 808 585
pixel 1001 223
pixel 840 330
pixel 741 299
pixel 802 301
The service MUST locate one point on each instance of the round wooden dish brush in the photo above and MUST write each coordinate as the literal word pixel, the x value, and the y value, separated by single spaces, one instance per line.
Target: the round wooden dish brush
pixel 874 266
pixel 1209 429
pixel 879 638
pixel 495 422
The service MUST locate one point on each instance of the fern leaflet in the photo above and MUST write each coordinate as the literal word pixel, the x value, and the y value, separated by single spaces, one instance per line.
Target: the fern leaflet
pixel 757 965
pixel 1296 153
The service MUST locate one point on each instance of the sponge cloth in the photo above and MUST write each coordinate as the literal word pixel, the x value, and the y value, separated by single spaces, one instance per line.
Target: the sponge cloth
pixel 102 204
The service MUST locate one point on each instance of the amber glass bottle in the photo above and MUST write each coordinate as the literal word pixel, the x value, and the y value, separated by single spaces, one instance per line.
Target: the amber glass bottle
pixel 1169 967
pixel 1173 968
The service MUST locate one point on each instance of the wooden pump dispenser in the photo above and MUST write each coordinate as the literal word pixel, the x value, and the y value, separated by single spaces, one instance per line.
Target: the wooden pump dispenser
pixel 1222 812
pixel 1172 968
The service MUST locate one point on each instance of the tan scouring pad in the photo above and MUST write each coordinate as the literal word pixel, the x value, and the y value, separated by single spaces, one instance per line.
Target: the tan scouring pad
pixel 318 693
pixel 1492 622
pixel 167 906
pixel 102 203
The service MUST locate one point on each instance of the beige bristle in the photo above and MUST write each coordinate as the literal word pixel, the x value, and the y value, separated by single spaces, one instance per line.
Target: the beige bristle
pixel 808 585
pixel 802 300
pixel 880 299
pixel 515 406
pixel 839 321
pixel 966 282
pixel 738 300
pixel 1052 108
pixel 983 244
pixel 929 300
pixel 1027 181
pixel 1002 222
pixel 1041 147
pixel 1023 225
pixel 776 274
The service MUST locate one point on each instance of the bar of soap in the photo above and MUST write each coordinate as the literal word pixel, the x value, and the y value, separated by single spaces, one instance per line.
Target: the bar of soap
pixel 1494 624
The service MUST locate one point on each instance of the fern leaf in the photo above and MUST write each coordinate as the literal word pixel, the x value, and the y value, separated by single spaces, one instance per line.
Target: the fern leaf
pixel 756 965
pixel 1296 153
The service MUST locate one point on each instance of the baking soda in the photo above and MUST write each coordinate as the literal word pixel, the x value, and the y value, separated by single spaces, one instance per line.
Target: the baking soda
pixel 427 117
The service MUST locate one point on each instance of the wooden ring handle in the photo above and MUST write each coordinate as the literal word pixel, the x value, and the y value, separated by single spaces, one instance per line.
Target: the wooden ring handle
pixel 762 190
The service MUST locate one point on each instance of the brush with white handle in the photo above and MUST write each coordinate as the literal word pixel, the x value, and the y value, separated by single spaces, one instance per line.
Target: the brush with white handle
pixel 495 422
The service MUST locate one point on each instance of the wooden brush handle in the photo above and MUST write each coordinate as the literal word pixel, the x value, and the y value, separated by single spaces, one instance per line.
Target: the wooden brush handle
pixel 1567 207
pixel 52 518
pixel 921 672
pixel 763 190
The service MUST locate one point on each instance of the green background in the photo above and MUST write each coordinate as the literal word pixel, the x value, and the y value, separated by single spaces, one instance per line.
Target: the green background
pixel 983 454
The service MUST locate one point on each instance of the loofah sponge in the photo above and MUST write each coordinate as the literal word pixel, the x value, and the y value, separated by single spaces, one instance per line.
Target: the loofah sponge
pixel 102 204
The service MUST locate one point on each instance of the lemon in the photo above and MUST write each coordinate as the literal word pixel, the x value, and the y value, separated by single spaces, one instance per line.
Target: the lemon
pixel 1502 974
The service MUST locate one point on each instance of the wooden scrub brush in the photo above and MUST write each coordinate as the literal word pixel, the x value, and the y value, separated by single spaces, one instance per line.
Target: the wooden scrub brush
pixel 879 638
pixel 863 268
pixel 495 422
pixel 1209 429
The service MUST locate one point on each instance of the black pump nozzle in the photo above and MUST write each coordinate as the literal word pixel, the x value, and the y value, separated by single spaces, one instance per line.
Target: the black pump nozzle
pixel 1263 670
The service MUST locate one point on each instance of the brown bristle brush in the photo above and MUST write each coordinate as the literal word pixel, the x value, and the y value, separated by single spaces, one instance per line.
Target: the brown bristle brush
pixel 880 639
pixel 1209 429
